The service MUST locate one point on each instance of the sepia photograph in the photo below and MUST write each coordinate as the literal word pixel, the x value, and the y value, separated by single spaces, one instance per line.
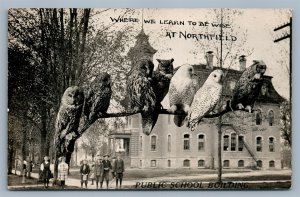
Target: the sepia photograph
pixel 149 99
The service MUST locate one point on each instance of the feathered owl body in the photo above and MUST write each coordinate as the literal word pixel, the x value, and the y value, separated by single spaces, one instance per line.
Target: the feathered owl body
pixel 98 97
pixel 184 85
pixel 140 92
pixel 68 117
pixel 206 98
pixel 248 86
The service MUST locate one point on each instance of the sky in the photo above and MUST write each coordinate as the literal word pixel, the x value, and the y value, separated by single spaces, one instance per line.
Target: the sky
pixel 253 29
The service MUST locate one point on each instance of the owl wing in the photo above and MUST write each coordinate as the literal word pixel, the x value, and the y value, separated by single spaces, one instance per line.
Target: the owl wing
pixel 174 95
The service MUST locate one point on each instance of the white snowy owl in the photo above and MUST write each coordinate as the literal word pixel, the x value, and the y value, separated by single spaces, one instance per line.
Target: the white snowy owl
pixel 183 87
pixel 206 98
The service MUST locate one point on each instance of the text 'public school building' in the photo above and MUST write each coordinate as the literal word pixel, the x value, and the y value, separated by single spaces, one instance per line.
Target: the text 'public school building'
pixel 249 140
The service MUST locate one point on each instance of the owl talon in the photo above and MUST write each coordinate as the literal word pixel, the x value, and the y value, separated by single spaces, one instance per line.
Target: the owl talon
pixel 172 109
pixel 248 108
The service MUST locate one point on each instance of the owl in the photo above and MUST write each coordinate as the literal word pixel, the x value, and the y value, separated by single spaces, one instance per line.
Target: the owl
pixel 206 98
pixel 183 87
pixel 140 92
pixel 160 84
pixel 68 117
pixel 97 97
pixel 248 86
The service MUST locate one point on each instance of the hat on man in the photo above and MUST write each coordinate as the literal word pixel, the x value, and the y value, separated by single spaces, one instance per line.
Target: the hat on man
pixel 106 155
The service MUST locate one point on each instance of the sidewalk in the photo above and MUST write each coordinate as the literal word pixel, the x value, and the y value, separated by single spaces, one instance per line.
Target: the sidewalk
pixel 204 178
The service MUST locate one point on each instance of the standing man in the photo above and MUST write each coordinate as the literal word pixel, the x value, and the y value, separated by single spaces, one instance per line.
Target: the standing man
pixel 84 172
pixel 106 168
pixel 98 171
pixel 119 169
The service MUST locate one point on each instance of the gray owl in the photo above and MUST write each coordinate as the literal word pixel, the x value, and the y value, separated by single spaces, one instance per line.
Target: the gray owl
pixel 183 87
pixel 68 117
pixel 206 98
pixel 140 92
pixel 249 86
pixel 160 83
pixel 97 97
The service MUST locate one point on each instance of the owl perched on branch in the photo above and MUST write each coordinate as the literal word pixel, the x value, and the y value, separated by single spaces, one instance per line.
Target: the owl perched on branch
pixel 97 97
pixel 183 87
pixel 140 92
pixel 160 83
pixel 206 98
pixel 68 117
pixel 248 86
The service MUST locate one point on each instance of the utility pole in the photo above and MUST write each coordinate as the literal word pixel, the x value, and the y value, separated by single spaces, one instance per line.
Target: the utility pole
pixel 283 37
pixel 220 105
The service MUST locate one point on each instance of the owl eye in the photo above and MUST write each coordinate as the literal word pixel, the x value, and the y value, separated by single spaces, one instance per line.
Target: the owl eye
pixel 215 75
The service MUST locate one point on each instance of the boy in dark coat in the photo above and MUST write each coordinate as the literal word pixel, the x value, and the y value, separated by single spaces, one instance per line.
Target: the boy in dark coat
pixel 119 169
pixel 84 171
pixel 106 168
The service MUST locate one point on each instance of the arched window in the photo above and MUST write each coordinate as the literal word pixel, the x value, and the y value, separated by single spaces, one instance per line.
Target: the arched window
pixel 141 143
pixel 271 117
pixel 272 164
pixel 153 163
pixel 233 141
pixel 186 142
pixel 258 117
pixel 226 143
pixel 240 143
pixel 169 143
pixel 169 163
pixel 271 144
pixel 226 163
pixel 259 163
pixel 153 142
pixel 241 163
pixel 186 163
pixel 201 142
pixel 258 144
pixel 201 163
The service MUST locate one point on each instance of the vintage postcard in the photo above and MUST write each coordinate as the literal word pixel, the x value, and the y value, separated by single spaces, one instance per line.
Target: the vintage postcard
pixel 139 99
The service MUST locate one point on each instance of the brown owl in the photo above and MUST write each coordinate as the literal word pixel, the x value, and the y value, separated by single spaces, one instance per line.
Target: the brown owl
pixel 97 97
pixel 140 92
pixel 183 87
pixel 68 117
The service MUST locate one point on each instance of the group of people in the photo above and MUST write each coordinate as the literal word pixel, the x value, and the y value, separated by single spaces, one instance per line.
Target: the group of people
pixel 101 170
pixel 47 169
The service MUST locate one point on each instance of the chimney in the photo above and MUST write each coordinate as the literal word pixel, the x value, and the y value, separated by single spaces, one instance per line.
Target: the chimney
pixel 209 56
pixel 242 60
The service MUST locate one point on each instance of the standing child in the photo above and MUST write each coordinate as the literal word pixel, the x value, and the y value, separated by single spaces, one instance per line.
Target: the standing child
pixel 84 171
pixel 62 171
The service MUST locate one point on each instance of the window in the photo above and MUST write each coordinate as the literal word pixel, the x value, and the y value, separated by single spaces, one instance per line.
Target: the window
pixel 233 142
pixel 141 163
pixel 226 142
pixel 201 163
pixel 128 122
pixel 240 143
pixel 258 144
pixel 241 163
pixel 259 163
pixel 153 143
pixel 258 117
pixel 169 119
pixel 186 142
pixel 169 143
pixel 141 143
pixel 186 163
pixel 153 163
pixel 201 142
pixel 271 118
pixel 272 164
pixel 271 144
pixel 169 163
pixel 226 164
